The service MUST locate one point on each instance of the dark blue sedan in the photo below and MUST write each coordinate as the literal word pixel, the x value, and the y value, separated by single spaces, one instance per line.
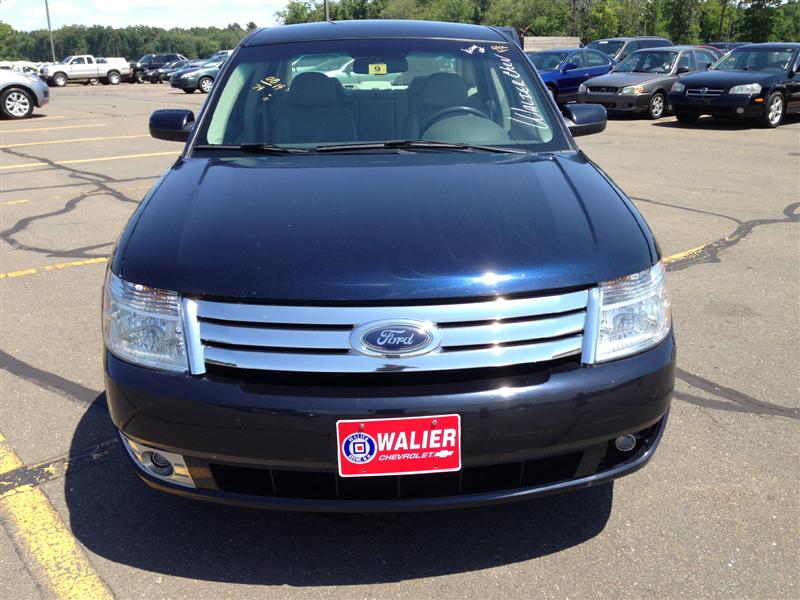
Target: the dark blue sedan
pixel 563 70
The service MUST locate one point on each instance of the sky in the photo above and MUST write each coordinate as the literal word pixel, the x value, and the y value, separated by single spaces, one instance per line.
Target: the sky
pixel 25 15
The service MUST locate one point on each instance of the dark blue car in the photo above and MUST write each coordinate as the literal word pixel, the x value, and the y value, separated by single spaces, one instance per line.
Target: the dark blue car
pixel 405 288
pixel 564 70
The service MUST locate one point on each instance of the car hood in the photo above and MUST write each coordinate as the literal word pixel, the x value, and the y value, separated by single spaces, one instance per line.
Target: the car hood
pixel 725 79
pixel 381 227
pixel 624 79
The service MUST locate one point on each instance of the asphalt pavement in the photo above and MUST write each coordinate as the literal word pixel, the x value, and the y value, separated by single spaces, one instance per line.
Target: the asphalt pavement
pixel 715 514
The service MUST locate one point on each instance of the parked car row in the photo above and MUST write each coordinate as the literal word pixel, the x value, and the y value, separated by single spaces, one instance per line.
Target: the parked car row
pixel 752 80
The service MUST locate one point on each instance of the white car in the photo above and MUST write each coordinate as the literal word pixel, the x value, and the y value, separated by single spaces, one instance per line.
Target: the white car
pixel 85 67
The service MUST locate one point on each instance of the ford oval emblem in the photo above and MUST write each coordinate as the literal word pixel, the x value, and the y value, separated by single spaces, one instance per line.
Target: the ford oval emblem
pixel 395 338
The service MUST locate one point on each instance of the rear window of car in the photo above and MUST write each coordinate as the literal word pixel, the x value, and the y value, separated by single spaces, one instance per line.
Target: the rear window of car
pixel 547 61
pixel 596 59
pixel 608 47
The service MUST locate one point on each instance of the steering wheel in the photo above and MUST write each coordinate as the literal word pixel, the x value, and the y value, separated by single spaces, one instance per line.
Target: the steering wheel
pixel 445 112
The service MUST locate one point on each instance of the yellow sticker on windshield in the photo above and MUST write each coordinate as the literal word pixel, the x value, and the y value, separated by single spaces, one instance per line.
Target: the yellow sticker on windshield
pixel 378 69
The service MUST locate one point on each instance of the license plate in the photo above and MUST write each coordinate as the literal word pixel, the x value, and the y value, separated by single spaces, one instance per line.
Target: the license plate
pixel 404 446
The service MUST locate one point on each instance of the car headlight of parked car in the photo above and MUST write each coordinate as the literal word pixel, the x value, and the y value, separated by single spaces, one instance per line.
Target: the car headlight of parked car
pixel 582 89
pixel 677 87
pixel 632 89
pixel 750 88
pixel 144 325
pixel 634 314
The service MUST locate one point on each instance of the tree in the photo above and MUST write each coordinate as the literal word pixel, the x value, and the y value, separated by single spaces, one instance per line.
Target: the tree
pixel 251 26
pixel 758 20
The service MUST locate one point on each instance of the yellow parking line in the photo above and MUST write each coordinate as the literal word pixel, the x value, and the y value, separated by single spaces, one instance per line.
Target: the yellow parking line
pixel 4 131
pixel 88 160
pixel 89 139
pixel 10 202
pixel 38 527
pixel 681 255
pixel 54 267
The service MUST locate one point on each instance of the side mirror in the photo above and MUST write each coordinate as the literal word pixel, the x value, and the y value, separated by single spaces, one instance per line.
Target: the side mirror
pixel 708 66
pixel 172 124
pixel 683 69
pixel 584 119
pixel 569 67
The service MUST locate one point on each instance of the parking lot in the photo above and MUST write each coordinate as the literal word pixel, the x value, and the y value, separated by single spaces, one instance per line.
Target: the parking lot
pixel 715 514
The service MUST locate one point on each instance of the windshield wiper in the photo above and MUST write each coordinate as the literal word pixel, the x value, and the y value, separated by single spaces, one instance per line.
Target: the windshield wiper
pixel 253 147
pixel 416 145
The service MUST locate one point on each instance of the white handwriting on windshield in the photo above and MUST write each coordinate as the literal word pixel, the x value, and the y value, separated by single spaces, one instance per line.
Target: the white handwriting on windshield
pixel 528 113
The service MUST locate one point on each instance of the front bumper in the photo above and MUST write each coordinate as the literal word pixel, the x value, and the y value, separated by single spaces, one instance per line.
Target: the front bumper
pixel 725 105
pixel 190 83
pixel 618 102
pixel 252 442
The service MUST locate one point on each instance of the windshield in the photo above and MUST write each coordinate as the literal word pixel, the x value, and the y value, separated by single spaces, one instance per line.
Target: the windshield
pixel 648 61
pixel 65 60
pixel 213 62
pixel 610 47
pixel 756 59
pixel 547 61
pixel 387 90
pixel 146 58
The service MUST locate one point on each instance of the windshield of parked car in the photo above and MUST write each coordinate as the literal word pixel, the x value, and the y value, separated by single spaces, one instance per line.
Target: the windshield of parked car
pixel 446 91
pixel 65 60
pixel 756 59
pixel 648 61
pixel 146 58
pixel 610 47
pixel 214 62
pixel 547 61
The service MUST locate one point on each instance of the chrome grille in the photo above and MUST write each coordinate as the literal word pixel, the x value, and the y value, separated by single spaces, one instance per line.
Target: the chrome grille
pixel 316 339
pixel 703 92
pixel 602 90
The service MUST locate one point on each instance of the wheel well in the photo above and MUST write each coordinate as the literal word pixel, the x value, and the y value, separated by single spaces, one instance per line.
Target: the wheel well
pixel 59 73
pixel 112 71
pixel 661 91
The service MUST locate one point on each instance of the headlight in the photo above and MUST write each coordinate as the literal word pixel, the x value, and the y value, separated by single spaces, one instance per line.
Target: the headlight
pixel 582 89
pixel 632 89
pixel 634 314
pixel 750 88
pixel 144 325
pixel 677 87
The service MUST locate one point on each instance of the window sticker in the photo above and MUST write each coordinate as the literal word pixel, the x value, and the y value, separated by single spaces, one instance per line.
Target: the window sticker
pixel 378 69
pixel 471 50
pixel 500 49
pixel 528 113
pixel 270 83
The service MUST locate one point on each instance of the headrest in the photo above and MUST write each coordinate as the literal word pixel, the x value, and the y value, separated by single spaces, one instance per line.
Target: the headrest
pixel 314 89
pixel 444 89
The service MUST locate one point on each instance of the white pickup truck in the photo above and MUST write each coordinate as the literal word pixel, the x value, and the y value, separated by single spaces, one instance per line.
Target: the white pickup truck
pixel 84 67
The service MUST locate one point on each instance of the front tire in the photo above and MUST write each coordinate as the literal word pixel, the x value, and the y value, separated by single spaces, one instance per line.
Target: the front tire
pixel 113 78
pixel 60 79
pixel 138 77
pixel 93 81
pixel 205 84
pixel 687 118
pixel 657 106
pixel 16 103
pixel 773 114
pixel 553 92
pixel 188 91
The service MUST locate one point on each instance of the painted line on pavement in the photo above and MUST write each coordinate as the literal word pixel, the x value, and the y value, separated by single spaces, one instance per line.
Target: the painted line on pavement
pixel 4 131
pixel 89 139
pixel 10 202
pixel 39 529
pixel 53 267
pixel 80 161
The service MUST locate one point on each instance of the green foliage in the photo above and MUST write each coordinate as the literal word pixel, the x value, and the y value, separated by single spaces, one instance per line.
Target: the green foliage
pixel 683 21
pixel 131 42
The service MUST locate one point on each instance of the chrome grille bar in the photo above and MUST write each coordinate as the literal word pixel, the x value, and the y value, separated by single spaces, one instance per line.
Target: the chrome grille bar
pixel 354 315
pixel 356 363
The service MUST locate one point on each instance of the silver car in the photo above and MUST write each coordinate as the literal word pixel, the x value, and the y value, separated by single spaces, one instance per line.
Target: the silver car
pixel 20 92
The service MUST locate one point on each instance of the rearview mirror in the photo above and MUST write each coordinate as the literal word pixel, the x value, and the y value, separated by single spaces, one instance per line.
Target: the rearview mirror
pixel 569 67
pixel 172 124
pixel 584 119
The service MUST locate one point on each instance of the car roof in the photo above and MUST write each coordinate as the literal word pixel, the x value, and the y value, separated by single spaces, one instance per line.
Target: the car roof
pixel 557 50
pixel 774 45
pixel 385 28
pixel 628 39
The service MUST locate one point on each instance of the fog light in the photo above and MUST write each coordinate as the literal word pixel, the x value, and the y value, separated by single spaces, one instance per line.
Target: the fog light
pixel 159 463
pixel 740 111
pixel 625 443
